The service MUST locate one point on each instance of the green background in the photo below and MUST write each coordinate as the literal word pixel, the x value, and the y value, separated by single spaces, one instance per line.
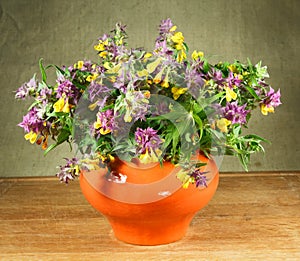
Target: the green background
pixel 63 32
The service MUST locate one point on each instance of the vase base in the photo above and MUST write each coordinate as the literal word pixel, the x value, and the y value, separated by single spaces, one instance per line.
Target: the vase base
pixel 145 234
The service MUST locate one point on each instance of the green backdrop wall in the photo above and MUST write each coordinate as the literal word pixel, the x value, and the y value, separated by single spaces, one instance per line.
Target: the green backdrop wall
pixel 64 31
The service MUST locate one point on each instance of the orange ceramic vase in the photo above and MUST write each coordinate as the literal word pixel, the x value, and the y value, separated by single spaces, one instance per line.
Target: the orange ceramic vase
pixel 151 207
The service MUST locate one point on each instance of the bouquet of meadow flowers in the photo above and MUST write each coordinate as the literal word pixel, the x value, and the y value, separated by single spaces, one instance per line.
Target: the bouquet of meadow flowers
pixel 152 106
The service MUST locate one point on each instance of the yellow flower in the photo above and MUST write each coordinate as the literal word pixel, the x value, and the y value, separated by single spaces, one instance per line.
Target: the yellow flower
pixel 178 38
pixel 173 28
pixel 104 132
pixel 101 46
pixel 31 136
pixel 59 105
pixel 157 78
pixel 147 94
pixel 93 106
pixel 179 46
pixel 177 92
pixel 265 109
pixel 230 94
pixel 222 124
pixel 66 107
pixel 196 55
pixel 147 56
pixel 103 54
pixel 97 124
pixel 181 56
pixel 149 158
pixel 127 117
pixel 184 178
pixel 165 84
pixel 232 68
pixel 92 77
pixel 78 65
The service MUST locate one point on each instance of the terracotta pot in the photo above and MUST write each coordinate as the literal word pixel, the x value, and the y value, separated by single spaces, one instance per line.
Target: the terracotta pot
pixel 151 207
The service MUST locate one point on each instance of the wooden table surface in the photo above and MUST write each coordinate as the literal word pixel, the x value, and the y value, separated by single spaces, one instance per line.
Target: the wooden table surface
pixel 253 216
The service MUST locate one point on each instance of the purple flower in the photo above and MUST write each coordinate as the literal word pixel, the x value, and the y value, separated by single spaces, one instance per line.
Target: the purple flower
pixel 69 171
pixel 26 89
pixel 136 105
pixel 98 93
pixel 235 113
pixel 123 79
pixel 165 26
pixel 147 140
pixel 194 81
pixel 105 122
pixel 217 76
pixel 68 89
pixel 44 95
pixel 233 80
pixel 32 121
pixel 199 177
pixel 162 49
pixel 272 99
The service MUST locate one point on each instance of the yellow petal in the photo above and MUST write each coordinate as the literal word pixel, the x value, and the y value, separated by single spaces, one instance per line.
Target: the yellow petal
pixel 93 106
pixel 148 158
pixel 173 28
pixel 97 125
pixel 31 136
pixel 147 55
pixel 177 92
pixel 177 37
pixel 127 117
pixel 104 132
pixel 66 107
pixel 99 47
pixel 222 124
pixel 230 94
pixel 196 55
pixel 232 68
pixel 165 84
pixel 181 56
pixel 157 78
pixel 92 77
pixel 103 54
pixel 265 110
pixel 147 94
pixel 59 105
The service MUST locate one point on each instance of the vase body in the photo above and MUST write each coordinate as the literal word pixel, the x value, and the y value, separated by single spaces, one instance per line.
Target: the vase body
pixel 143 212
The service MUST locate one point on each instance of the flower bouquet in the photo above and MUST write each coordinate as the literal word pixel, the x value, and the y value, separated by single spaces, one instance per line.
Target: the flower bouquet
pixel 159 106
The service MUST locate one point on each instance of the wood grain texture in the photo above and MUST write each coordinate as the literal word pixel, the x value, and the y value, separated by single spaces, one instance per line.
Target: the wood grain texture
pixel 252 217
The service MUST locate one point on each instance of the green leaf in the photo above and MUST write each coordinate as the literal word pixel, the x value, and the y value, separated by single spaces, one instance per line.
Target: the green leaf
pixel 51 147
pixel 256 137
pixel 200 125
pixel 252 92
pixel 42 69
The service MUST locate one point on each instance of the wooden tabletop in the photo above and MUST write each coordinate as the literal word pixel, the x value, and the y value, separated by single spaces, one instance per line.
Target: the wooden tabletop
pixel 253 216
